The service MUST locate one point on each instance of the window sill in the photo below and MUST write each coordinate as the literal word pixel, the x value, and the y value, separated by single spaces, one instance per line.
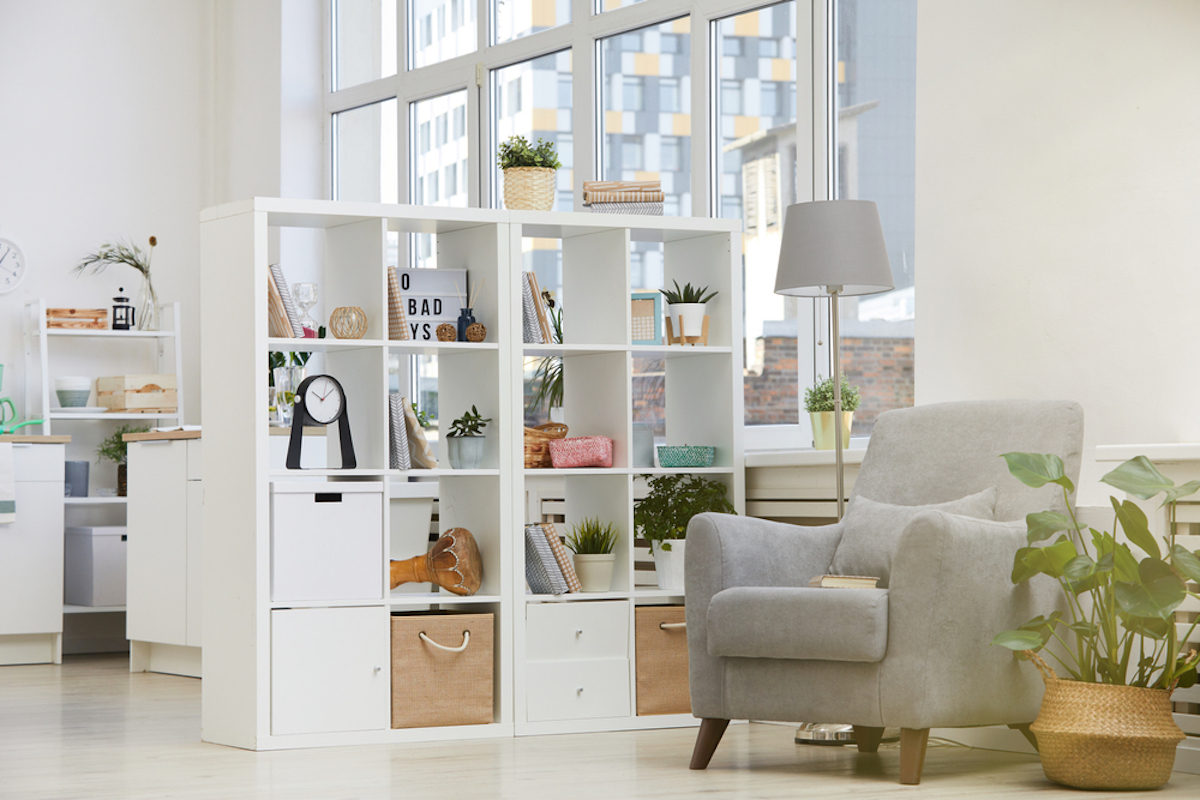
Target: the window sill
pixel 805 457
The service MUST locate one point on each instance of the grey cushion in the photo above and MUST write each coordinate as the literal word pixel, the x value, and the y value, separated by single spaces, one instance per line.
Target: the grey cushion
pixel 872 531
pixel 799 623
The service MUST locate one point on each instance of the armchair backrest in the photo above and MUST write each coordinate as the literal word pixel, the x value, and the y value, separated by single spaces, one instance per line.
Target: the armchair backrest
pixel 941 452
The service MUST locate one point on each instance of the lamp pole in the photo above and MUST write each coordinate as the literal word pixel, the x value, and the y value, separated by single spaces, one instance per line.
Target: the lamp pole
pixel 837 397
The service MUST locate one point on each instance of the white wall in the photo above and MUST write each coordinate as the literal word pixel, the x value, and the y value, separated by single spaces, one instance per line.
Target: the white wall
pixel 1058 204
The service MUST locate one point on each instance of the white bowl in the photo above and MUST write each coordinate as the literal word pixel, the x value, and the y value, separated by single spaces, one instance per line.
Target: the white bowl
pixel 73 383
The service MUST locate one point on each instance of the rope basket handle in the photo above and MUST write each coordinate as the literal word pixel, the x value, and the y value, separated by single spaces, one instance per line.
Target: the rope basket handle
pixel 459 649
pixel 1045 669
pixel 667 626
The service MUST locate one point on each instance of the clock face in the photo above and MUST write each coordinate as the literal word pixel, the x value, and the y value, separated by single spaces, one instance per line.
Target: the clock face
pixel 323 399
pixel 12 266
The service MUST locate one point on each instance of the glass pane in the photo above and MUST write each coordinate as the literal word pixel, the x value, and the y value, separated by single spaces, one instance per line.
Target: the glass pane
pixel 876 160
pixel 440 29
pixel 439 175
pixel 517 18
pixel 533 99
pixel 756 168
pixel 364 41
pixel 609 5
pixel 364 156
pixel 646 97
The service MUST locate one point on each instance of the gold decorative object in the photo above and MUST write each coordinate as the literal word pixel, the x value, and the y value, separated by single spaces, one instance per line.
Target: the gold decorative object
pixel 447 332
pixel 348 322
pixel 476 332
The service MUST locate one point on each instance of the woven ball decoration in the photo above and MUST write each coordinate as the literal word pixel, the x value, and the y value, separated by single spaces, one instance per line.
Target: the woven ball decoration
pixel 348 322
pixel 447 332
pixel 476 332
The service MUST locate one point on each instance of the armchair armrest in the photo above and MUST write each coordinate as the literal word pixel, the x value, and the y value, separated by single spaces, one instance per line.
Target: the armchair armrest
pixel 951 592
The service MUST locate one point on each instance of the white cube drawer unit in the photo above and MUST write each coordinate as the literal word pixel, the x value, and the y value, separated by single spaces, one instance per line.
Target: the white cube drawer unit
pixel 326 541
pixel 578 689
pixel 578 665
pixel 577 631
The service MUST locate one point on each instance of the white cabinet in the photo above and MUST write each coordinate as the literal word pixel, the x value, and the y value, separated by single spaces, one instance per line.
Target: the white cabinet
pixel 31 557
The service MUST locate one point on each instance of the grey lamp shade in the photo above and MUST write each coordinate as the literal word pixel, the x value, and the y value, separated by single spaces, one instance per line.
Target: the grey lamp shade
pixel 833 243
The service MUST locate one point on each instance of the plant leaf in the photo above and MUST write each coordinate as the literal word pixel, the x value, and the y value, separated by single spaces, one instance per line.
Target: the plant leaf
pixel 1038 469
pixel 1136 527
pixel 1152 627
pixel 1044 524
pixel 1019 640
pixel 1186 562
pixel 1051 559
pixel 1158 594
pixel 1140 478
pixel 1085 629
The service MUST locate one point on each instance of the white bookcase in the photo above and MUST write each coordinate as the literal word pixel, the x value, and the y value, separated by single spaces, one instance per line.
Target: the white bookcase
pixel 259 656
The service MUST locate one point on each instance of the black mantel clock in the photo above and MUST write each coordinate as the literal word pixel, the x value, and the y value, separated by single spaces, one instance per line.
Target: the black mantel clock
pixel 319 401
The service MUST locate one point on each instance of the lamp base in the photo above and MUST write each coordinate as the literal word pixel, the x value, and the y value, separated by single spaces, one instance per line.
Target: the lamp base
pixel 835 733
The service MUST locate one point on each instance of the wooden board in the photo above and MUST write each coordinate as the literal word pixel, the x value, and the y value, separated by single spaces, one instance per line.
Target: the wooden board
pixel 89 319
pixel 138 393
pixel 17 438
pixel 160 436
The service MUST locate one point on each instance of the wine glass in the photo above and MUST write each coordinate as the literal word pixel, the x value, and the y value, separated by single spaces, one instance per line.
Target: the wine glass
pixel 305 295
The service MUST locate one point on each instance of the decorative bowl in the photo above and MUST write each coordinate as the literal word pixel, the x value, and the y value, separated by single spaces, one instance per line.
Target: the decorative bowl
pixel 685 455
pixel 73 398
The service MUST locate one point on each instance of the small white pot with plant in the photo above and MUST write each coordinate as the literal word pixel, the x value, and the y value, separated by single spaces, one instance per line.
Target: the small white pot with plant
pixel 818 402
pixel 686 307
pixel 465 442
pixel 592 542
pixel 529 171
pixel 662 517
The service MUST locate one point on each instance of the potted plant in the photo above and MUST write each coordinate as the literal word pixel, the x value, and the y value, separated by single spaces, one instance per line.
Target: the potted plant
pixel 528 173
pixel 131 256
pixel 818 402
pixel 662 518
pixel 1107 723
pixel 465 440
pixel 592 542
pixel 116 450
pixel 686 307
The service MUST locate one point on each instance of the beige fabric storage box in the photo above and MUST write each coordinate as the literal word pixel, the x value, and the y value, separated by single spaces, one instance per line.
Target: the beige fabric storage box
pixel 136 393
pixel 662 660
pixel 432 686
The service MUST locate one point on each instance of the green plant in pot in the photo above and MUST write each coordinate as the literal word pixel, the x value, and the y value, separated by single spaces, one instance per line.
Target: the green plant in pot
pixel 465 440
pixel 1107 723
pixel 818 402
pixel 662 517
pixel 116 450
pixel 592 542
pixel 686 308
pixel 529 170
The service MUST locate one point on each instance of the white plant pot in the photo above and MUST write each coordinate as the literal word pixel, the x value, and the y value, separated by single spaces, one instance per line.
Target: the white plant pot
pixel 668 564
pixel 595 571
pixel 688 318
pixel 466 452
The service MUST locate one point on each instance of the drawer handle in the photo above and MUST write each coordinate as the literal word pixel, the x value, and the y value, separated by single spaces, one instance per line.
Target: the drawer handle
pixel 579 690
pixel 579 631
pixel 666 626
pixel 459 649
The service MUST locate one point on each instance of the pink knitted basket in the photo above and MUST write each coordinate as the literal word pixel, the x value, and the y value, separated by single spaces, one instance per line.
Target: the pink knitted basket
pixel 581 451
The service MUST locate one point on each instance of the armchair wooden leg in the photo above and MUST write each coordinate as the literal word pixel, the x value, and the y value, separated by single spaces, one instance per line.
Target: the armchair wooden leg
pixel 1028 734
pixel 711 731
pixel 912 754
pixel 867 738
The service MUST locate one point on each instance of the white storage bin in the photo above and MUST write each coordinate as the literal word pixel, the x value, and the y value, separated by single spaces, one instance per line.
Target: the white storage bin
pixel 94 566
pixel 326 541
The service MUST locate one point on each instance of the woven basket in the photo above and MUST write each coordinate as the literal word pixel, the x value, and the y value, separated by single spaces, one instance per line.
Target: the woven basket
pixel 529 188
pixel 1096 736
pixel 537 444
pixel 685 455
pixel 581 451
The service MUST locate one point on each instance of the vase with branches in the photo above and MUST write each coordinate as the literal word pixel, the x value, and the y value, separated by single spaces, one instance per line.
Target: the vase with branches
pixel 130 255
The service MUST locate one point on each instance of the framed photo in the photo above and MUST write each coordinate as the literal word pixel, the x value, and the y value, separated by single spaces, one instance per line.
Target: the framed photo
pixel 647 318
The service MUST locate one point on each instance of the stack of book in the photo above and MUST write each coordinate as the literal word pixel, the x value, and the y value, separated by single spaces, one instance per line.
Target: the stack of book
pixel 535 316
pixel 624 197
pixel 548 568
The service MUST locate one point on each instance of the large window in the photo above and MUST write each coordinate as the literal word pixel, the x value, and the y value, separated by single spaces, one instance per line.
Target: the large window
pixel 365 145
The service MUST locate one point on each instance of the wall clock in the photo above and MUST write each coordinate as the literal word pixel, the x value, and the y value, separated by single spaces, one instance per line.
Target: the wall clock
pixel 12 265
pixel 320 400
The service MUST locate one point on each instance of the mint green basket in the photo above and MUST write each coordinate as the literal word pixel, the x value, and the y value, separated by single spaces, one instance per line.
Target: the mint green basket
pixel 685 455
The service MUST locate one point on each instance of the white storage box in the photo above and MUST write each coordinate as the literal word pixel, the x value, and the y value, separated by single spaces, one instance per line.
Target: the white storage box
pixel 94 566
pixel 326 541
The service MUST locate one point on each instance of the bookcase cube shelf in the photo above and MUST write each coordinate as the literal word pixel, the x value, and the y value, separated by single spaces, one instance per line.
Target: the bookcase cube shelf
pixel 255 682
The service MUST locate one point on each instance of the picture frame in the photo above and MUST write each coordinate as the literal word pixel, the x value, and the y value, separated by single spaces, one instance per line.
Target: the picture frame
pixel 646 318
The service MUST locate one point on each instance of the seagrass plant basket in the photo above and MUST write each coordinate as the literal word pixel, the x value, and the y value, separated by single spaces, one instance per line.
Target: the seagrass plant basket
pixel 537 444
pixel 529 188
pixel 1098 736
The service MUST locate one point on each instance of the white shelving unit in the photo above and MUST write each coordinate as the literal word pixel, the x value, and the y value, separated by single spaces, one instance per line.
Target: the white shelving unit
pixel 252 658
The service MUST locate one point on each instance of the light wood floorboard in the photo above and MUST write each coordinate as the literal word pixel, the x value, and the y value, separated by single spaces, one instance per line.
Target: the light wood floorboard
pixel 90 729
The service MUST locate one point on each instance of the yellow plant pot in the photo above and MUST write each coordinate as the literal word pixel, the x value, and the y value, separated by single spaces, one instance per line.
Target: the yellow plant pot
pixel 823 430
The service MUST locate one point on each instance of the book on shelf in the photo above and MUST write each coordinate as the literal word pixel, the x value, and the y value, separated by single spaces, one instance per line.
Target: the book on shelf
pixel 562 557
pixel 831 581
pixel 543 314
pixel 624 197
pixel 289 306
pixel 529 316
pixel 643 209
pixel 277 321
pixel 541 570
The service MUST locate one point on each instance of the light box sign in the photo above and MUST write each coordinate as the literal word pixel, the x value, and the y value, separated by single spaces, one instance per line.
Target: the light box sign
pixel 430 297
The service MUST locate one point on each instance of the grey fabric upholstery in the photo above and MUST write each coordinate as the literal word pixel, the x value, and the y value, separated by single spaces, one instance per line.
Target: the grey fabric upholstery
pixel 872 531
pixel 783 622
pixel 949 591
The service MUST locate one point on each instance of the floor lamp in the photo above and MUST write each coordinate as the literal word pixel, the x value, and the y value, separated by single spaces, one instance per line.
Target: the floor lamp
pixel 833 248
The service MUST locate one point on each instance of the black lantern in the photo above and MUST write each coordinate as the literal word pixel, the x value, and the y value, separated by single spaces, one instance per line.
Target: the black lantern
pixel 122 312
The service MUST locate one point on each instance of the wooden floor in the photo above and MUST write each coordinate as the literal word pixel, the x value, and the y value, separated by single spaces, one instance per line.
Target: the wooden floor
pixel 90 729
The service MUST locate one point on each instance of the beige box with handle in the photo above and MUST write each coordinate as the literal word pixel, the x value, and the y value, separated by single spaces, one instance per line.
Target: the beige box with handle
pixel 660 636
pixel 442 670
pixel 137 393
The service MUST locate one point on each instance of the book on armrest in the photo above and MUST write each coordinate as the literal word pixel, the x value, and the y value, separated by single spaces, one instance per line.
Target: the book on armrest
pixel 844 582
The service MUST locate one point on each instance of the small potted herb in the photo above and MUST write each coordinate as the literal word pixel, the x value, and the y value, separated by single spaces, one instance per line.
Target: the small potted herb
pixel 818 402
pixel 686 307
pixel 592 542
pixel 465 440
pixel 662 517
pixel 116 450
pixel 529 171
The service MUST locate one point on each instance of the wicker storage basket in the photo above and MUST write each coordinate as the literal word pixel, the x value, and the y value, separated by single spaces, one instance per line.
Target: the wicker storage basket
pixel 660 636
pixel 1096 736
pixel 685 455
pixel 537 444
pixel 434 685
pixel 529 188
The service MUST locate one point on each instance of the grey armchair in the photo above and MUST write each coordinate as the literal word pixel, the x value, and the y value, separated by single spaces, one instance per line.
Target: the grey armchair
pixel 913 653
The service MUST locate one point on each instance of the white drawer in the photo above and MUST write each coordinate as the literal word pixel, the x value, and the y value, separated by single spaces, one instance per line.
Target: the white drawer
pixel 38 462
pixel 577 631
pixel 577 689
